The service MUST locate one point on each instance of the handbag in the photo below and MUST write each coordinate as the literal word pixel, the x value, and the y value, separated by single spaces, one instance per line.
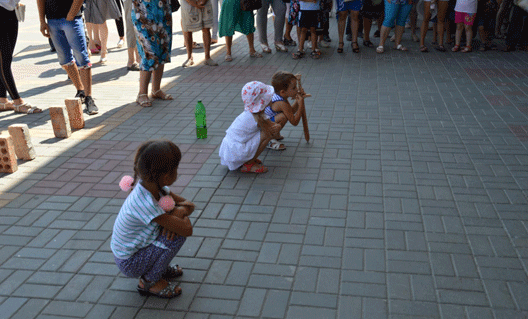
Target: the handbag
pixel 250 5
pixel 20 11
pixel 175 5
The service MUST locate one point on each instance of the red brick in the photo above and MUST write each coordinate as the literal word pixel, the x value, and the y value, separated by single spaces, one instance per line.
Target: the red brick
pixel 75 113
pixel 22 141
pixel 60 121
pixel 67 189
pixel 8 161
pixel 81 189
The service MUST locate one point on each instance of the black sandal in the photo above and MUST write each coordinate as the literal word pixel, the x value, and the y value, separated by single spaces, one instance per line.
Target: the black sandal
pixel 356 49
pixel 368 44
pixel 340 48
pixel 298 55
pixel 172 272
pixel 166 293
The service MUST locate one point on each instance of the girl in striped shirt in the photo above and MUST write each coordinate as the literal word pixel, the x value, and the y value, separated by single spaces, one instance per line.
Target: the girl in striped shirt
pixel 145 238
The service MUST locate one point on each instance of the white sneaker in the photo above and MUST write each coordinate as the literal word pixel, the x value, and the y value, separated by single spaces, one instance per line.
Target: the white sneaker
pixel 120 43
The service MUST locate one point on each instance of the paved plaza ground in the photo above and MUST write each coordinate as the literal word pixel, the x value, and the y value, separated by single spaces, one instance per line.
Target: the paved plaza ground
pixel 409 201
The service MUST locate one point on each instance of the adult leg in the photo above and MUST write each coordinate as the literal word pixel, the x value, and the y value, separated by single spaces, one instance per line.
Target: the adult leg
pixel 469 37
pixel 262 23
pixel 251 39
pixel 413 17
pixel 425 25
pixel 214 36
pixel 133 55
pixel 91 36
pixel 502 14
pixel 206 36
pixel 103 35
pixel 402 15
pixel 187 41
pixel 229 44
pixel 354 16
pixel 341 25
pixel 157 75
pixel 119 24
pixel 8 38
pixel 388 23
pixel 279 8
pixel 441 15
pixel 144 80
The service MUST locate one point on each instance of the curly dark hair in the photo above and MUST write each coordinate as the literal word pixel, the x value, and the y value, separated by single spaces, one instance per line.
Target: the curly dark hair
pixel 155 158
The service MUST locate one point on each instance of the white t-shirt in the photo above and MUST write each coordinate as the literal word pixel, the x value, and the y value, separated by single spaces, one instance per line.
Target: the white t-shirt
pixel 134 228
pixel 241 141
pixel 466 6
pixel 9 5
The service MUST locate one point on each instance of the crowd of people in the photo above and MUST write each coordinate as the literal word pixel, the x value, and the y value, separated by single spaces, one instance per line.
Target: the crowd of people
pixel 149 32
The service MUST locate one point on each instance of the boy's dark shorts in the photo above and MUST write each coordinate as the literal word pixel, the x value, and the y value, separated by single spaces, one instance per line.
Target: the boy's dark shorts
pixel 308 18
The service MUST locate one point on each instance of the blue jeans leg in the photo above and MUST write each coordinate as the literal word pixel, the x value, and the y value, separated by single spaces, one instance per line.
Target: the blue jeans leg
pixel 70 41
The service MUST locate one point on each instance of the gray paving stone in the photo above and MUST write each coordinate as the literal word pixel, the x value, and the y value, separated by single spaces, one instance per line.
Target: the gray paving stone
pixel 214 306
pixel 64 308
pixel 275 304
pixel 30 309
pixel 11 305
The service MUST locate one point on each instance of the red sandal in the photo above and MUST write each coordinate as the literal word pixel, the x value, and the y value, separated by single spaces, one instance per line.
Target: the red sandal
pixel 253 167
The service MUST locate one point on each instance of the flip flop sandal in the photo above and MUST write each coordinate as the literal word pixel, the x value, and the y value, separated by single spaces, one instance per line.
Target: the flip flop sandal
pixel 228 58
pixel 368 44
pixel 145 102
pixel 197 45
pixel 172 272
pixel 253 167
pixel 316 55
pixel 210 62
pixel 401 48
pixel 166 293
pixel 456 48
pixel 188 63
pixel 467 49
pixel 423 49
pixel 255 55
pixel 30 108
pixel 275 145
pixel 380 49
pixel 441 48
pixel 280 47
pixel 164 96
pixel 133 67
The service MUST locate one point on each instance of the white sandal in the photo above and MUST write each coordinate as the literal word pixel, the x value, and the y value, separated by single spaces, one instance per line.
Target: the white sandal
pixel 265 48
pixel 380 49
pixel 275 145
pixel 6 106
pixel 30 108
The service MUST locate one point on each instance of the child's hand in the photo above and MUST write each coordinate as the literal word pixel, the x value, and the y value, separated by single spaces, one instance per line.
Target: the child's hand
pixel 189 206
pixel 169 234
pixel 180 211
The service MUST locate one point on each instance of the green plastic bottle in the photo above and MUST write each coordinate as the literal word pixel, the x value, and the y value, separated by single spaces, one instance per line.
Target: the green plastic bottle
pixel 201 122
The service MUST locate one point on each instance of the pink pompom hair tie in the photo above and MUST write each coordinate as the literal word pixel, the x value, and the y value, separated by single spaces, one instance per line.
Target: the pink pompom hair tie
pixel 126 183
pixel 166 202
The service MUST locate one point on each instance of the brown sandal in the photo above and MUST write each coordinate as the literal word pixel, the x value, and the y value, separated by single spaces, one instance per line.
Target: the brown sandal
pixel 167 292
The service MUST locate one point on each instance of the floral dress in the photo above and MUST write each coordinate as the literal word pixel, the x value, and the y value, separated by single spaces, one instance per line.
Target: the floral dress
pixel 153 25
pixel 293 17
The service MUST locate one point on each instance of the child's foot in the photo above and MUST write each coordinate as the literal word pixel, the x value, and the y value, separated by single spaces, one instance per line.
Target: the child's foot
pixel 161 289
pixel 275 145
pixel 253 166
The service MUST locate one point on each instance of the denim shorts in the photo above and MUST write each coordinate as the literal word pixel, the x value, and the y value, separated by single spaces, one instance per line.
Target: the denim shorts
pixel 69 40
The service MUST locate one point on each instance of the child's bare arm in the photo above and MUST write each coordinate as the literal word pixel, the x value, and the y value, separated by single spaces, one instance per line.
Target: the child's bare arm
pixel 183 203
pixel 175 224
pixel 266 124
pixel 293 114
